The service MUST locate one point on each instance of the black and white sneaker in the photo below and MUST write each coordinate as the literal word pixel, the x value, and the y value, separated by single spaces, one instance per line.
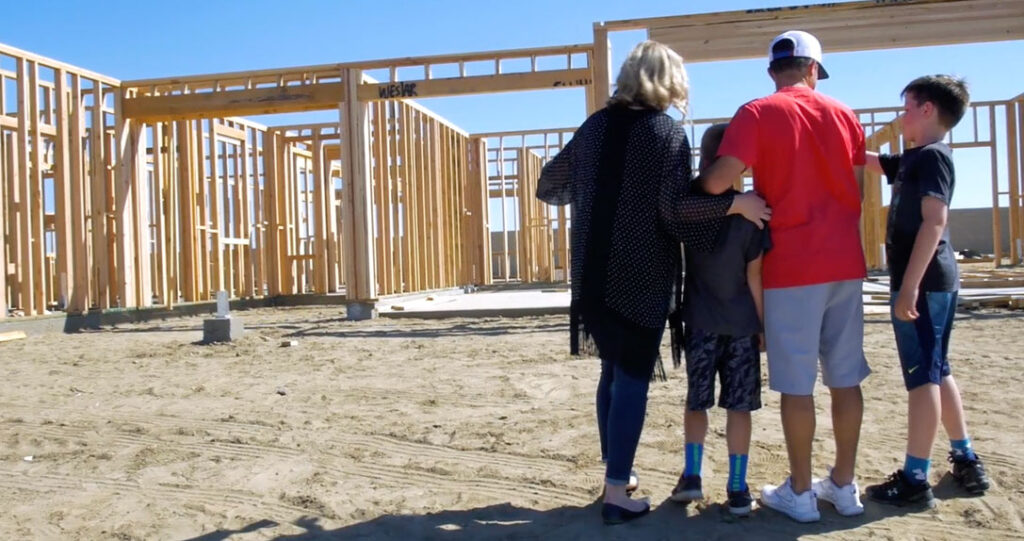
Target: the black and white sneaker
pixel 740 502
pixel 688 489
pixel 970 473
pixel 899 491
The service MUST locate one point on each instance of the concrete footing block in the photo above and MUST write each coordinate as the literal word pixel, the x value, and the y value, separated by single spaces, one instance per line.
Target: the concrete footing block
pixel 358 311
pixel 222 330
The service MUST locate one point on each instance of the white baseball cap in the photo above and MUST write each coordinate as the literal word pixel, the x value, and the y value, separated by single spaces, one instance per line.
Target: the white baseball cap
pixel 795 43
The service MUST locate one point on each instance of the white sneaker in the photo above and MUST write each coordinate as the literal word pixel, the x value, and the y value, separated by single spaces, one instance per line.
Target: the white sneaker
pixel 799 507
pixel 845 499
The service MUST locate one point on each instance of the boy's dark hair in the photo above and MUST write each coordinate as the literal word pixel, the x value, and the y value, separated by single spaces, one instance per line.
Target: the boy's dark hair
pixel 947 93
pixel 781 65
pixel 710 141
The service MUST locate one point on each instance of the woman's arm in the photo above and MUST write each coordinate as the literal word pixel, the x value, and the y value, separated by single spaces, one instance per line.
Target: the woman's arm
pixel 555 184
pixel 690 218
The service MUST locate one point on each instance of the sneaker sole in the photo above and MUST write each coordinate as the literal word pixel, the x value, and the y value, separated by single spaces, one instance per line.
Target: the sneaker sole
pixel 741 511
pixel 928 501
pixel 686 496
pixel 975 489
pixel 803 519
pixel 844 512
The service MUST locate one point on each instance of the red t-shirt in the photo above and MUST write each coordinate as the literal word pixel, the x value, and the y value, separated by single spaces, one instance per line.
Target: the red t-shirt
pixel 802 147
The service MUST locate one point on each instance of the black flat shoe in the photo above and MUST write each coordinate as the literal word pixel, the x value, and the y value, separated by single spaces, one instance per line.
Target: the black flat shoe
pixel 613 514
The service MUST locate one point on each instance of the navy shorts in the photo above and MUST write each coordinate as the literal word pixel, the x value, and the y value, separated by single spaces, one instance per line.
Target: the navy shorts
pixel 923 344
pixel 737 362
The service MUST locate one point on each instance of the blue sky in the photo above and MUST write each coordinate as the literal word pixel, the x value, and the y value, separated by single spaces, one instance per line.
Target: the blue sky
pixel 132 39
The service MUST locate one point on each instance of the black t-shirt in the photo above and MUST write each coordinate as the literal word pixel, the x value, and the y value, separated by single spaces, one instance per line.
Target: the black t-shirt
pixel 716 297
pixel 919 172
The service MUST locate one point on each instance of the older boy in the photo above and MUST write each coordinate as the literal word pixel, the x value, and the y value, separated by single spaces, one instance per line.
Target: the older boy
pixel 924 282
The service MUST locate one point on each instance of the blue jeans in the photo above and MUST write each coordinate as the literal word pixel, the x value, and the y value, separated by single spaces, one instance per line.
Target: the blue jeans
pixel 923 344
pixel 621 408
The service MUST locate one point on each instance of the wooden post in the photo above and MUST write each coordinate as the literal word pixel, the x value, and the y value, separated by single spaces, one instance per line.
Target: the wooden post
pixel 506 271
pixel 187 209
pixel 125 185
pixel 355 129
pixel 62 191
pixel 5 150
pixel 477 233
pixel 161 213
pixel 26 272
pixel 215 223
pixel 141 220
pixel 1014 186
pixel 524 235
pixel 79 301
pixel 330 222
pixel 98 184
pixel 601 69
pixel 382 186
pixel 320 212
pixel 273 155
pixel 1019 150
pixel 997 234
pixel 35 195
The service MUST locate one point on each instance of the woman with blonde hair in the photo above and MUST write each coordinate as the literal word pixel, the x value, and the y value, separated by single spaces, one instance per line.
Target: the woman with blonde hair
pixel 626 172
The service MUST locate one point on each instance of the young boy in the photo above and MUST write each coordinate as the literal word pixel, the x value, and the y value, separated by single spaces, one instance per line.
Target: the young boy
pixel 924 282
pixel 722 313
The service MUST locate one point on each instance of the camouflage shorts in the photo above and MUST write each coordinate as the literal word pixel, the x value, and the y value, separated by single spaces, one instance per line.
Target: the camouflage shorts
pixel 736 360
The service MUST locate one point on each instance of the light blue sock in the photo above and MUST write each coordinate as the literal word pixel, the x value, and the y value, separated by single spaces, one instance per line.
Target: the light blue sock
pixel 694 456
pixel 737 473
pixel 962 449
pixel 916 469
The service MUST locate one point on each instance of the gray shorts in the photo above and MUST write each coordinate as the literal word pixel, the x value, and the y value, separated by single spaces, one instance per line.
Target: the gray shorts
pixel 805 323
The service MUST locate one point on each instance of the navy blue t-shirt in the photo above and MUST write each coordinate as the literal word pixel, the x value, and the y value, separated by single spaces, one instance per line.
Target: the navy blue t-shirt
pixel 917 173
pixel 716 296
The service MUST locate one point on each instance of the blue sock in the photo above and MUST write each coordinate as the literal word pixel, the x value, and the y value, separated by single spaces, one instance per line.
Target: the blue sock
pixel 737 473
pixel 916 469
pixel 694 455
pixel 962 449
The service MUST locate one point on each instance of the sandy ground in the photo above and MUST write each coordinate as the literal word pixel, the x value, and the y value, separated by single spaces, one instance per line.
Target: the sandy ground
pixel 427 429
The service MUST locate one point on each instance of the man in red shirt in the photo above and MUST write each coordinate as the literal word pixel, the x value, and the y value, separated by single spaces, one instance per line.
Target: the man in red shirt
pixel 806 151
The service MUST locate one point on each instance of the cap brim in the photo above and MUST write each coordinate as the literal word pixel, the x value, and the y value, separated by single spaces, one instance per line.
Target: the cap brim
pixel 822 74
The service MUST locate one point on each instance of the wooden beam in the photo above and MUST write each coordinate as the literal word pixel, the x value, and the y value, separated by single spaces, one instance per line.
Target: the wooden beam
pixel 11 335
pixel 457 86
pixel 843 27
pixel 331 71
pixel 257 101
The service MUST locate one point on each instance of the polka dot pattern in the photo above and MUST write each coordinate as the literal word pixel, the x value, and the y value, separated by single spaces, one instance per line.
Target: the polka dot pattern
pixel 655 212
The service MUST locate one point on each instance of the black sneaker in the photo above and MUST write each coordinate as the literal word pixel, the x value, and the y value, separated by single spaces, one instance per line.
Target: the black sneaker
pixel 688 489
pixel 740 502
pixel 970 473
pixel 899 491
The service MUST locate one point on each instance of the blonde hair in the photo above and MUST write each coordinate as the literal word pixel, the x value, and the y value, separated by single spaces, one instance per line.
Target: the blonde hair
pixel 652 77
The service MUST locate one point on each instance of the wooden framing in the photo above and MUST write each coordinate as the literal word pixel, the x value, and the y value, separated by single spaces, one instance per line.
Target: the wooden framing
pixel 841 27
pixel 49 153
pixel 537 244
pixel 307 88
pixel 129 193
pixel 529 239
